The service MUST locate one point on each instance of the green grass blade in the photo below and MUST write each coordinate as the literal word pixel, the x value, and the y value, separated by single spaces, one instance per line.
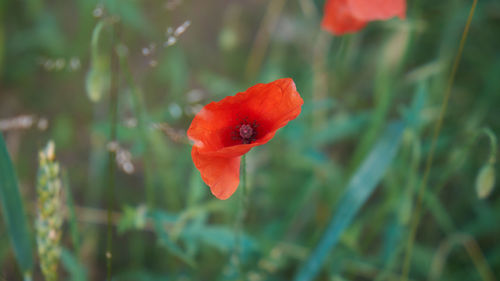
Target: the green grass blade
pixel 76 271
pixel 359 188
pixel 73 224
pixel 13 212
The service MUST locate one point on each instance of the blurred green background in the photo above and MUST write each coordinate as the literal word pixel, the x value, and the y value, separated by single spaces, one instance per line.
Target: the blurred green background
pixel 371 101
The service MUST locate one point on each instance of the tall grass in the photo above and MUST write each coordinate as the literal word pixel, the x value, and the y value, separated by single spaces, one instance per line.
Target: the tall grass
pixel 378 179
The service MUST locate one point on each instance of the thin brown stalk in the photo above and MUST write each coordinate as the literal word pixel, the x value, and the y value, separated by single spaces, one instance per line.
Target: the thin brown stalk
pixel 472 248
pixel 262 39
pixel 430 157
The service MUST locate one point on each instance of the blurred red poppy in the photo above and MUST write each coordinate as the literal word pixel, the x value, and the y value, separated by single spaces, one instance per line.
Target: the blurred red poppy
pixel 347 16
pixel 223 131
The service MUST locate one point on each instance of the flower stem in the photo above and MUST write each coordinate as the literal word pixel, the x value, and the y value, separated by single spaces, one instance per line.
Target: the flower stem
pixel 238 226
pixel 243 181
pixel 113 106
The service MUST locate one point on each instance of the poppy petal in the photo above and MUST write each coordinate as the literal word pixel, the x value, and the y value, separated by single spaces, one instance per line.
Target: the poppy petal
pixel 272 104
pixel 275 103
pixel 338 18
pixel 208 126
pixel 221 174
pixel 377 9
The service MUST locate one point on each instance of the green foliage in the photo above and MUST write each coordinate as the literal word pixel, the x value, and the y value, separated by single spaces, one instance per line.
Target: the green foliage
pixel 75 269
pixel 360 187
pixel 309 184
pixel 98 80
pixel 13 213
pixel 72 220
pixel 189 227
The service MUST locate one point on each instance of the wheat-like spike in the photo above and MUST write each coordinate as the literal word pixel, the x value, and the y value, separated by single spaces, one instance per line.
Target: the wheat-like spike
pixel 49 219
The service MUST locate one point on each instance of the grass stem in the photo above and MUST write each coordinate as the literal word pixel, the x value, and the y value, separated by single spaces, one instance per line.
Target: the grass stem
pixel 113 107
pixel 430 157
pixel 242 208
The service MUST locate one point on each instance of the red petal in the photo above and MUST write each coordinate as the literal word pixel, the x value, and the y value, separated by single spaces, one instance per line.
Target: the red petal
pixel 270 105
pixel 209 128
pixel 369 10
pixel 216 155
pixel 274 103
pixel 221 174
pixel 338 18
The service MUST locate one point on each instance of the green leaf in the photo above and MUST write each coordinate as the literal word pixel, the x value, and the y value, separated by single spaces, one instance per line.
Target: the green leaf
pixel 160 219
pixel 358 190
pixel 133 218
pixel 76 270
pixel 223 238
pixel 14 213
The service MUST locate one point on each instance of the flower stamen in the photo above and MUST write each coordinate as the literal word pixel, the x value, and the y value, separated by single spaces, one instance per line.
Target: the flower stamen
pixel 245 132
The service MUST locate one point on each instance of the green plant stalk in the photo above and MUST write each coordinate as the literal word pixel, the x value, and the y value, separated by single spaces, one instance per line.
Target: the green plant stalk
pixel 262 39
pixel 238 226
pixel 384 92
pixel 150 141
pixel 73 224
pixel 383 102
pixel 430 157
pixel 446 222
pixel 320 82
pixel 473 250
pixel 449 171
pixel 138 103
pixel 113 108
pixel 443 220
pixel 244 180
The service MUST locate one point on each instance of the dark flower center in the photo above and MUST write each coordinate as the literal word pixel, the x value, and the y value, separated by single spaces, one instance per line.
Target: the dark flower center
pixel 245 132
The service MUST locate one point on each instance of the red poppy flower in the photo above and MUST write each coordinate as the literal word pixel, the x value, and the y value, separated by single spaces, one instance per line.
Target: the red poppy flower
pixel 346 16
pixel 223 131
